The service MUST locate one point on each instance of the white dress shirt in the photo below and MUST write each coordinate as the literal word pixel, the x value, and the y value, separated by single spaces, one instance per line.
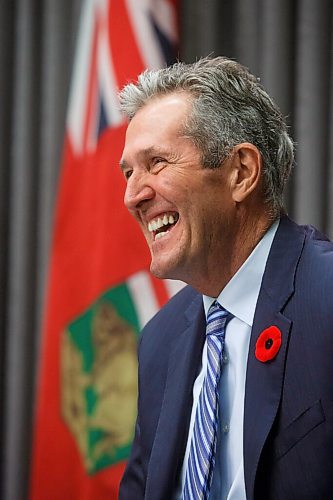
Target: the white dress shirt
pixel 239 297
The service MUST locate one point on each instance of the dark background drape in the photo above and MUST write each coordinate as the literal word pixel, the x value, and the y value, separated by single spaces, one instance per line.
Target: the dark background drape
pixel 288 44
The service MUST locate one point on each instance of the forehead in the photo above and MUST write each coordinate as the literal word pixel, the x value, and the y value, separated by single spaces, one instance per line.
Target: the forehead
pixel 165 103
pixel 159 117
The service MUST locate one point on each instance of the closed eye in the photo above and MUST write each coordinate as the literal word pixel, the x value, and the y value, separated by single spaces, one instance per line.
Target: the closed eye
pixel 157 164
pixel 125 168
pixel 127 173
pixel 158 159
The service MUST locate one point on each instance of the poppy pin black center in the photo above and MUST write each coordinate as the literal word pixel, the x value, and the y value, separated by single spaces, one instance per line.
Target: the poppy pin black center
pixel 268 343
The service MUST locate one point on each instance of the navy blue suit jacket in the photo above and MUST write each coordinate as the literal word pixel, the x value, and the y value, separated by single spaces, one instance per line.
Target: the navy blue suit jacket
pixel 288 414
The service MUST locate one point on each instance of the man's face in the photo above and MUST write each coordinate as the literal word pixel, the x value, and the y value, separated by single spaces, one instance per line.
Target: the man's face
pixel 184 210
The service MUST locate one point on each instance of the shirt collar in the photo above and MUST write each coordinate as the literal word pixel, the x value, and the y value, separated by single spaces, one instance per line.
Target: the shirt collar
pixel 240 294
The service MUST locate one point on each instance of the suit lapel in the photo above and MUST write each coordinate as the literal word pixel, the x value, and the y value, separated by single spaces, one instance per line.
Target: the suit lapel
pixel 264 381
pixel 170 441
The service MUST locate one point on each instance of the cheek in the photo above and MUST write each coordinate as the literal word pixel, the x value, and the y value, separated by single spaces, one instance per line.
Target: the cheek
pixel 177 184
pixel 205 216
pixel 166 185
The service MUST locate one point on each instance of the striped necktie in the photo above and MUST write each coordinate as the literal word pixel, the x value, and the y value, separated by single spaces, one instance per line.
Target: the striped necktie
pixel 201 459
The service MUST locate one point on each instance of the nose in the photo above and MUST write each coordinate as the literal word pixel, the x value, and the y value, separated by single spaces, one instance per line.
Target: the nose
pixel 138 191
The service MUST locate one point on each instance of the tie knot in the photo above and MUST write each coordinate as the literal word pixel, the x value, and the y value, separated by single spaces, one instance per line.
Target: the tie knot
pixel 217 319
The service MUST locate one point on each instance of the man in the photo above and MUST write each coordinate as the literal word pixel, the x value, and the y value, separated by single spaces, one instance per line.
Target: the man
pixel 240 408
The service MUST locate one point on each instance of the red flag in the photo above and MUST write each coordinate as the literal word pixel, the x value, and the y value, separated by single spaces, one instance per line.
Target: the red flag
pixel 100 291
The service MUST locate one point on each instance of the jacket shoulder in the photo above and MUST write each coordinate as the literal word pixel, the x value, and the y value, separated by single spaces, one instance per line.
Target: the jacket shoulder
pixel 160 331
pixel 173 309
pixel 318 251
pixel 316 271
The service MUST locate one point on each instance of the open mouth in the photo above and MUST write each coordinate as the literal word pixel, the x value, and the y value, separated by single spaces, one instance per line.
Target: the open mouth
pixel 160 226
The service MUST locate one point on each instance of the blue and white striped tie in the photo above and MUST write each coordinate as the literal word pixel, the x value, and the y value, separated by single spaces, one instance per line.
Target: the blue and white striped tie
pixel 201 459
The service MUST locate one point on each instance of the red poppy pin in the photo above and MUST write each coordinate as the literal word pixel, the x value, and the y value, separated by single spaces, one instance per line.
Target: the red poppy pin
pixel 268 344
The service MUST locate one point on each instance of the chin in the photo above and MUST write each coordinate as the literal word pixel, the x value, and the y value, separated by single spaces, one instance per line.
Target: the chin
pixel 165 270
pixel 159 272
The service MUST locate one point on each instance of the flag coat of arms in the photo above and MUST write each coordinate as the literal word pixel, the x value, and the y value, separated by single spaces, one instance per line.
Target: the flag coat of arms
pixel 100 291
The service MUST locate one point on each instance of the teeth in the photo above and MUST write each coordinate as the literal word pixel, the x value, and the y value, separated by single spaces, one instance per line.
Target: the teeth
pixel 160 235
pixel 155 224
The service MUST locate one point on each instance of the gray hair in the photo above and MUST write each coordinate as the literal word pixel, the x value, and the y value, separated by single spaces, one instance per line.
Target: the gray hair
pixel 229 107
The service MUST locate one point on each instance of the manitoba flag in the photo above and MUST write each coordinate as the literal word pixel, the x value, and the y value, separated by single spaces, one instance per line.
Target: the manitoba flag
pixel 100 292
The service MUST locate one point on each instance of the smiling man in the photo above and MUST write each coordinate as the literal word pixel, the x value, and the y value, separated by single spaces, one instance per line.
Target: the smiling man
pixel 234 373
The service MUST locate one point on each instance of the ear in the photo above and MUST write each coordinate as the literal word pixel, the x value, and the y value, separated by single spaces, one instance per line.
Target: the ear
pixel 247 167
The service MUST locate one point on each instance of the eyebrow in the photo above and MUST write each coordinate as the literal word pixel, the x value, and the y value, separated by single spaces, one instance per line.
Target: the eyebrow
pixel 123 164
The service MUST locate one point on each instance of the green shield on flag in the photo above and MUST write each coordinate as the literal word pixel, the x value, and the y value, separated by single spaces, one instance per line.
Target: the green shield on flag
pixel 99 378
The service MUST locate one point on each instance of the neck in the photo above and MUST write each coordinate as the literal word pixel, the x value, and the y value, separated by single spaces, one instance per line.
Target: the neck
pixel 242 239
